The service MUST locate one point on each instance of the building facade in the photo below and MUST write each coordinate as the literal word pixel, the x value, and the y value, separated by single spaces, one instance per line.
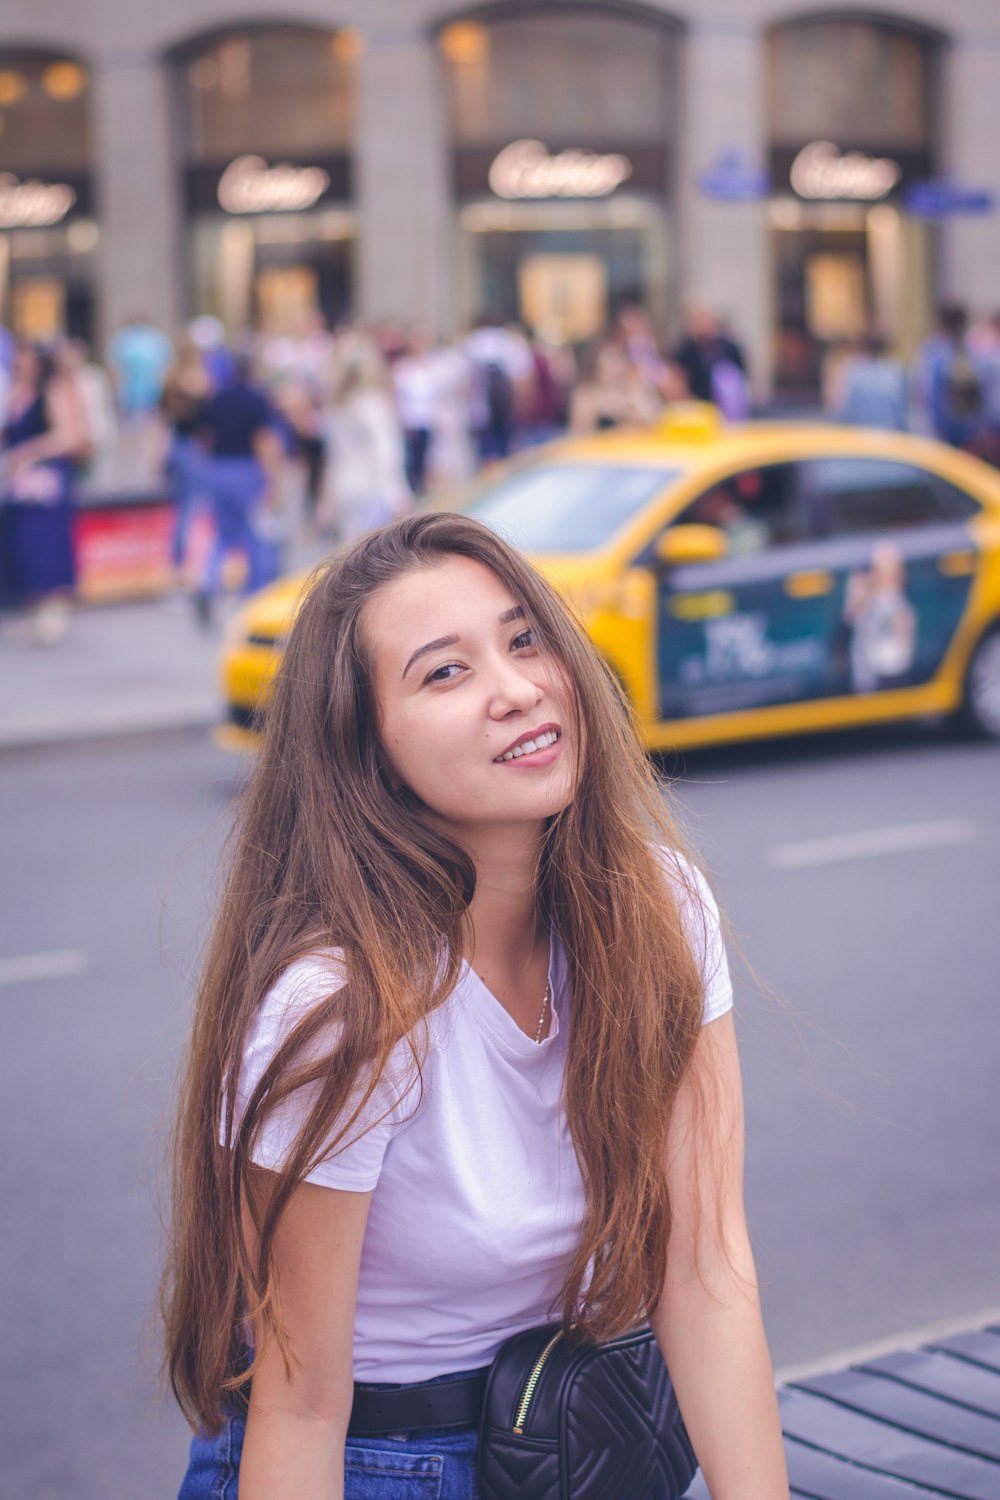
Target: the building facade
pixel 805 171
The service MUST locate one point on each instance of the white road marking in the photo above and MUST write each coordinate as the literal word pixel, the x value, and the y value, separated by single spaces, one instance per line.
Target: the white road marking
pixel 859 1354
pixel 872 842
pixel 43 966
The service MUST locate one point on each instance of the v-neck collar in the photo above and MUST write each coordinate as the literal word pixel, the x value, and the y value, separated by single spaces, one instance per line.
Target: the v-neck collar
pixel 498 1021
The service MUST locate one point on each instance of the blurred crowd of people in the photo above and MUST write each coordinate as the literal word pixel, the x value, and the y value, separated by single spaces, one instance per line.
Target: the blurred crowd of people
pixel 950 391
pixel 323 433
pixel 326 432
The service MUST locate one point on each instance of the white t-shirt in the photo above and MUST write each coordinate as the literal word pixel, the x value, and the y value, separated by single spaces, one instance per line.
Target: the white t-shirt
pixel 477 1196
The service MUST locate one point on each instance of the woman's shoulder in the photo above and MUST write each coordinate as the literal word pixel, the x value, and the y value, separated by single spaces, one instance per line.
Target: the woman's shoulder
pixel 304 983
pixel 699 914
pixel 687 882
pixel 313 979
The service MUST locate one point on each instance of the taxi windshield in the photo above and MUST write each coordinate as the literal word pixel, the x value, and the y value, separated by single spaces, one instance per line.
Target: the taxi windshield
pixel 565 508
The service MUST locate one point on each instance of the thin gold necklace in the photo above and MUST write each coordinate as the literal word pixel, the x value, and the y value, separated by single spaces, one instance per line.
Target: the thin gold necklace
pixel 545 1010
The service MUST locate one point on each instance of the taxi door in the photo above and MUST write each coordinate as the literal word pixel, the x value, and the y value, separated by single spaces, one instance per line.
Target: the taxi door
pixel 900 560
pixel 756 627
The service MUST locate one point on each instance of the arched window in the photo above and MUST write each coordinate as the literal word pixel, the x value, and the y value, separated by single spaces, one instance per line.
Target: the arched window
pixel 44 113
pixel 852 80
pixel 564 74
pixel 272 89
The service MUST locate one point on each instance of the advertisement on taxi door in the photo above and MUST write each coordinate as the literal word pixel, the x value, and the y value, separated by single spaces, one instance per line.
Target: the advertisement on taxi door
pixel 852 618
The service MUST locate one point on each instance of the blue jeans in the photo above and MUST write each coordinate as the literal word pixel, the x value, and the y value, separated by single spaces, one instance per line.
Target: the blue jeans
pixel 187 464
pixel 424 1464
pixel 236 486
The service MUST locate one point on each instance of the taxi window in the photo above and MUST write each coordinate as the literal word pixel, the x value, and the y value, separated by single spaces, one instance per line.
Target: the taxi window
pixel 756 508
pixel 567 508
pixel 851 495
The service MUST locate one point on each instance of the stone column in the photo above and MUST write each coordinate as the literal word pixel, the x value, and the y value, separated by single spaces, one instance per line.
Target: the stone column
pixel 724 247
pixel 971 246
pixel 404 256
pixel 137 196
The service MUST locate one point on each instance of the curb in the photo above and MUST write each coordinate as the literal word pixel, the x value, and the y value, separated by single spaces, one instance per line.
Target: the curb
pixel 42 734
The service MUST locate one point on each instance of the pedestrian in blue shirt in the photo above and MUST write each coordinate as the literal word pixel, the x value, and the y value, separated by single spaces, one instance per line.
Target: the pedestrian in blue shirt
pixel 238 430
pixel 951 381
pixel 875 389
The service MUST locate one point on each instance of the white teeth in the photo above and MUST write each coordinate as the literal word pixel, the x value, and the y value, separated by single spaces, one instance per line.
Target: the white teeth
pixel 542 742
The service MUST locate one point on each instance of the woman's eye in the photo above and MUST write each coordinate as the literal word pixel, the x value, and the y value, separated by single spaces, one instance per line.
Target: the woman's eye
pixel 524 639
pixel 444 673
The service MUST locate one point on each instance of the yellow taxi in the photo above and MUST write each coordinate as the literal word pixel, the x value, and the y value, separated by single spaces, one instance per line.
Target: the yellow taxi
pixel 766 579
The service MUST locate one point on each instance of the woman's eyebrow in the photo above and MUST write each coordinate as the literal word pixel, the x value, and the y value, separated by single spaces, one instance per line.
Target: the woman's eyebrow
pixel 442 640
pixel 516 613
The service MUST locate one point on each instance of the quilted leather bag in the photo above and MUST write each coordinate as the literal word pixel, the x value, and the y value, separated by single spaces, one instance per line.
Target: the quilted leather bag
pixel 567 1420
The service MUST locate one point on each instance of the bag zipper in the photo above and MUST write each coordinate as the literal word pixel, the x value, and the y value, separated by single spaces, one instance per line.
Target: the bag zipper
pixel 529 1388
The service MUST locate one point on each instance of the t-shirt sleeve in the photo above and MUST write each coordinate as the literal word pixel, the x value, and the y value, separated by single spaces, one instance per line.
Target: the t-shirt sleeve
pixel 357 1165
pixel 700 914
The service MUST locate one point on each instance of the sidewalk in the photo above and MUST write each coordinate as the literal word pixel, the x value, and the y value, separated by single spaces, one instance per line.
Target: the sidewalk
pixel 122 669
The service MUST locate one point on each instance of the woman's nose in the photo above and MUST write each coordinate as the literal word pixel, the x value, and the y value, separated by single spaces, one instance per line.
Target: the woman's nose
pixel 514 690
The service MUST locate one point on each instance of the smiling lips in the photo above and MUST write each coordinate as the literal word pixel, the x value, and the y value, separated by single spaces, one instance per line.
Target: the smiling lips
pixel 529 744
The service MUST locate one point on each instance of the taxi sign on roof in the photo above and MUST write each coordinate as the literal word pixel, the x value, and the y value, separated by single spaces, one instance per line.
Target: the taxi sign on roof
pixel 690 422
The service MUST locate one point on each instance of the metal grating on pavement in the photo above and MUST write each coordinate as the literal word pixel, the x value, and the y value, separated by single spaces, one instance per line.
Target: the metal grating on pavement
pixel 912 1425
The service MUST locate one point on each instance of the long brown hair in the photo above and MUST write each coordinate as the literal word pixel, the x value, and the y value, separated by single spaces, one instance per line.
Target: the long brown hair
pixel 325 855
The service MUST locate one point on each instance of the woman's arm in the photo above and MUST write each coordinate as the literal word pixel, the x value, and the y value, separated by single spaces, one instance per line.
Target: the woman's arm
pixel 294 1448
pixel 708 1323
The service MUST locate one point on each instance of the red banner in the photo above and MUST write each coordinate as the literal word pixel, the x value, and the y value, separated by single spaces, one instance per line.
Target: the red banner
pixel 123 552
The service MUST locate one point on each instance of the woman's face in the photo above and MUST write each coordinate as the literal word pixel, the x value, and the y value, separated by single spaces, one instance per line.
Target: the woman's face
pixel 27 365
pixel 475 715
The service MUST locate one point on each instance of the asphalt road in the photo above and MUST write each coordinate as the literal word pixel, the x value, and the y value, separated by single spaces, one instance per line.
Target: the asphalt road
pixel 860 877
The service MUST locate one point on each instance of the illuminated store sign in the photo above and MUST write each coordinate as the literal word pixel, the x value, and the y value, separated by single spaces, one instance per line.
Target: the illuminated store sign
pixel 820 171
pixel 250 186
pixel 33 205
pixel 526 170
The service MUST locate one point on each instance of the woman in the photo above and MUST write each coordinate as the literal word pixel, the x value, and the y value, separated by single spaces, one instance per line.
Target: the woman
pixel 611 392
pixel 365 478
pixel 451 1035
pixel 186 388
pixel 41 442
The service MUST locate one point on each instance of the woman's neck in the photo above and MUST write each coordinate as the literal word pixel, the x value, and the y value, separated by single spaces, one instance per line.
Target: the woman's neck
pixel 504 927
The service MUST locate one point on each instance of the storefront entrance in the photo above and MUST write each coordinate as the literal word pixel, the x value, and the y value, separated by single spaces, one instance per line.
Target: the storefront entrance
pixel 842 269
pixel 562 269
pixel 47 279
pixel 48 232
pixel 266 131
pixel 273 274
pixel 854 123
pixel 563 122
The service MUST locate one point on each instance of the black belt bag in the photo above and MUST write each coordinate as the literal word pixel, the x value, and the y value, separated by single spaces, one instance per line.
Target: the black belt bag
pixel 564 1420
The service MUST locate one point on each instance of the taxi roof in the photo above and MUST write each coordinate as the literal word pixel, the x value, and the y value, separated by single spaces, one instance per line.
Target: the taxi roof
pixel 687 448
pixel 696 447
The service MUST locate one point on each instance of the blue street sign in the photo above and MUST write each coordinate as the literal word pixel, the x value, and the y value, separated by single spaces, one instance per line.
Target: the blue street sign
pixel 941 198
pixel 732 178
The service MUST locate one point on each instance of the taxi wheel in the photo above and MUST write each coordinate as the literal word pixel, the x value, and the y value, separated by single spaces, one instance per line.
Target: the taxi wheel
pixel 980 710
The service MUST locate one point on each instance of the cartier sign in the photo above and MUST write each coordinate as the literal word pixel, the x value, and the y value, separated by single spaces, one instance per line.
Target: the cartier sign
pixel 526 170
pixel 33 204
pixel 821 171
pixel 250 186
